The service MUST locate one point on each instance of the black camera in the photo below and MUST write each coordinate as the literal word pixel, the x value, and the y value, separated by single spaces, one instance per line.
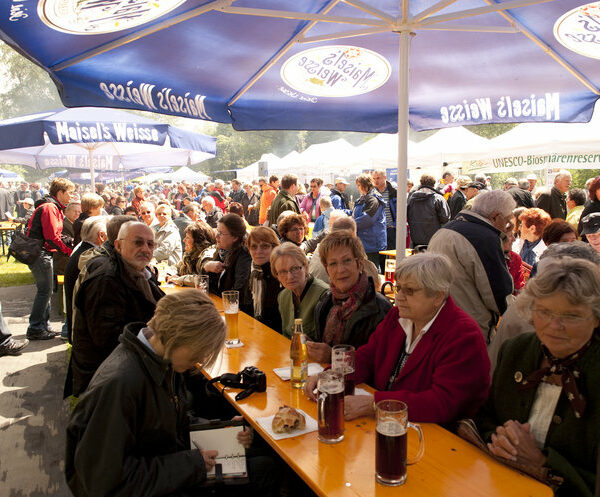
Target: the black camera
pixel 254 378
pixel 250 380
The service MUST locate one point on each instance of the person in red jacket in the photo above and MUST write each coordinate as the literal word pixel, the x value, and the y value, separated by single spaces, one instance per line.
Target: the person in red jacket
pixel 46 224
pixel 427 352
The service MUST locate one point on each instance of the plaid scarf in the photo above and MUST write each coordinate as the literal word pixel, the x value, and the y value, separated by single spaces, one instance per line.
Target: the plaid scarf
pixel 344 305
pixel 569 372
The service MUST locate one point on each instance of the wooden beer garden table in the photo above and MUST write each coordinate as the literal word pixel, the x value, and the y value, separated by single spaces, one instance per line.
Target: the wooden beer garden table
pixel 450 467
pixel 6 227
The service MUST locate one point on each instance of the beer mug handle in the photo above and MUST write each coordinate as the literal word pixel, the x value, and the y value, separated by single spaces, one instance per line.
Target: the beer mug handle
pixel 384 286
pixel 417 427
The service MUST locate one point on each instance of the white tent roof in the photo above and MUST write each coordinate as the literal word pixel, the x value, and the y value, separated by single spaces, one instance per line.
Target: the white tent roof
pixel 449 145
pixel 250 172
pixel 536 146
pixel 186 174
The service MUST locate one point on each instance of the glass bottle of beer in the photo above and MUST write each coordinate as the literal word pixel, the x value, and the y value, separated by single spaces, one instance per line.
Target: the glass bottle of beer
pixel 298 356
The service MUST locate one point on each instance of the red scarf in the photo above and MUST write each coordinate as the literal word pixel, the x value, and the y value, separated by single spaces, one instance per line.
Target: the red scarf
pixel 344 305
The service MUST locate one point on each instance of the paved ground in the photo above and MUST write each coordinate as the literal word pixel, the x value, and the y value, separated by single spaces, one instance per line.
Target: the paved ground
pixel 33 415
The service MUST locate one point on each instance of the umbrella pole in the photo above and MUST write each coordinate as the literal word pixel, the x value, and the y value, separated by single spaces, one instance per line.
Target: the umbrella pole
pixel 92 180
pixel 404 52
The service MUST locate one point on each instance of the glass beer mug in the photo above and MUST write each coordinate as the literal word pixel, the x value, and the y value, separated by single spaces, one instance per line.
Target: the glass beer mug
pixel 342 360
pixel 391 442
pixel 330 406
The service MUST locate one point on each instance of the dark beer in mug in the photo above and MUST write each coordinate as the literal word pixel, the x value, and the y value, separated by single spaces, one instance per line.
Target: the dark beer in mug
pixel 330 403
pixel 390 453
pixel 348 383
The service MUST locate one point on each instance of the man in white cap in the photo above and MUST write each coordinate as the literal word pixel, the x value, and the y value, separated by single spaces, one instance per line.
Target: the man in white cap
pixel 28 209
pixel 338 198
pixel 532 178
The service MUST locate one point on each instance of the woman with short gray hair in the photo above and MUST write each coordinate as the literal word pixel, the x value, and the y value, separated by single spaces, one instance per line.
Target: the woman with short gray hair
pixel 544 404
pixel 427 352
pixel 301 291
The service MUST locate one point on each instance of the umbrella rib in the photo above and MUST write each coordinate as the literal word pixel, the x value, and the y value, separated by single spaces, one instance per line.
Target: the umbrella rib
pixel 471 28
pixel 495 7
pixel 546 48
pixel 371 10
pixel 278 55
pixel 345 34
pixel 442 4
pixel 167 23
pixel 304 16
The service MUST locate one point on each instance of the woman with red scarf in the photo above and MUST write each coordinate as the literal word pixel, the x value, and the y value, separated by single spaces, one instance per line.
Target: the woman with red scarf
pixel 351 310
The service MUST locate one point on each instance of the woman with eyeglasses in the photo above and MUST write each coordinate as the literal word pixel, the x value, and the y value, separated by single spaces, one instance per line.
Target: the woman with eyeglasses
pixel 263 287
pixel 301 291
pixel 229 268
pixel 351 310
pixel 427 352
pixel 293 228
pixel 543 411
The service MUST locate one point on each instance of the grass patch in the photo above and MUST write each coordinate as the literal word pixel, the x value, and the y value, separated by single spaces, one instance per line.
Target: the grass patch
pixel 13 273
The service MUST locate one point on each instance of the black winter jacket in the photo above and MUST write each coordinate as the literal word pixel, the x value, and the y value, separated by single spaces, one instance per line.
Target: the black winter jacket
pixel 128 435
pixel 361 324
pixel 106 301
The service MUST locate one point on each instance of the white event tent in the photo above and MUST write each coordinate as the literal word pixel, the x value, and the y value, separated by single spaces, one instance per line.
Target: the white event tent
pixel 251 172
pixel 536 146
pixel 184 173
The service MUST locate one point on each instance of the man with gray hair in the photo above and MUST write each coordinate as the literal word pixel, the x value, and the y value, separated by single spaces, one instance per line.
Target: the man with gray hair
pixel 555 202
pixel 521 195
pixel 211 213
pixel 118 291
pixel 472 243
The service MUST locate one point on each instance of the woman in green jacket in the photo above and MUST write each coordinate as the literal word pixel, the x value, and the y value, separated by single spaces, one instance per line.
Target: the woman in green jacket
pixel 543 412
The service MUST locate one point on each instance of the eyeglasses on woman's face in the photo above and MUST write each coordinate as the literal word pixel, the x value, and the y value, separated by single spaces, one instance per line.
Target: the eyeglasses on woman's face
pixel 292 271
pixel 567 320
pixel 297 229
pixel 407 290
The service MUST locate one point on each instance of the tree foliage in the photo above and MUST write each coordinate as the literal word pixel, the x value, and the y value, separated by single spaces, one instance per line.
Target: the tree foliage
pixel 26 87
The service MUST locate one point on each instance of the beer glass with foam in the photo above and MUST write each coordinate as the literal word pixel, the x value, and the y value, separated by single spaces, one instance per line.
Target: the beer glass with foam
pixel 231 305
pixel 391 442
pixel 342 360
pixel 330 406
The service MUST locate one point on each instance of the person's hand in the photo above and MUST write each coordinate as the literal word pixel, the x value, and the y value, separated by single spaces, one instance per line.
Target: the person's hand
pixel 244 437
pixel 210 458
pixel 515 442
pixel 318 351
pixel 356 406
pixel 214 267
pixel 309 387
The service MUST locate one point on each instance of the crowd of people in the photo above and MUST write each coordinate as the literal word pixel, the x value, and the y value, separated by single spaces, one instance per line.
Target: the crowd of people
pixel 496 321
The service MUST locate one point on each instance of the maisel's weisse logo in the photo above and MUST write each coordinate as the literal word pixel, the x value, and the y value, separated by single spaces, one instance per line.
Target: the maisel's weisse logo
pixel 77 132
pixel 579 30
pixel 336 71
pixel 91 17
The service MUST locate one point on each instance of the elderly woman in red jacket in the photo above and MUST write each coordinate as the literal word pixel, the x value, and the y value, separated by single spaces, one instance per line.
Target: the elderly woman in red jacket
pixel 427 351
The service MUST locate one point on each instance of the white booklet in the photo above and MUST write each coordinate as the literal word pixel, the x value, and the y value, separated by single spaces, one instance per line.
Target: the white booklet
pixel 231 455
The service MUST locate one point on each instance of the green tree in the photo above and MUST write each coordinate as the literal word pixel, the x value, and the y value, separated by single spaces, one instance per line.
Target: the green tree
pixel 27 88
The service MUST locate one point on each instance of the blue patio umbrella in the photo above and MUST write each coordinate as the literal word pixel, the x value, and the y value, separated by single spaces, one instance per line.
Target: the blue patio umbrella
pixel 99 139
pixel 355 65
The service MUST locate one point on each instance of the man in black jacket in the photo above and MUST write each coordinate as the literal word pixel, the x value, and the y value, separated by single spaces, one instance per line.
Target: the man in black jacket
pixel 118 291
pixel 129 434
pixel 555 203
pixel 519 193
